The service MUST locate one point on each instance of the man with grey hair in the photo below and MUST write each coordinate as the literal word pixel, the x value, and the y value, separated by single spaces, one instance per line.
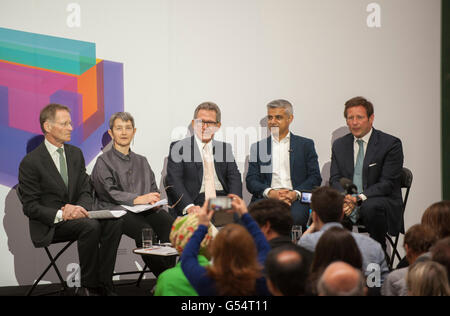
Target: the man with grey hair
pixel 341 279
pixel 200 167
pixel 283 165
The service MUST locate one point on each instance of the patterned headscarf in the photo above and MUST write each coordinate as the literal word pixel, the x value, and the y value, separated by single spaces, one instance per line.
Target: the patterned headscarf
pixel 182 230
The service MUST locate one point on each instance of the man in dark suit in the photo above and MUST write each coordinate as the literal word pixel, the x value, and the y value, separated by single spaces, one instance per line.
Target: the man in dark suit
pixel 200 167
pixel 56 196
pixel 283 165
pixel 374 161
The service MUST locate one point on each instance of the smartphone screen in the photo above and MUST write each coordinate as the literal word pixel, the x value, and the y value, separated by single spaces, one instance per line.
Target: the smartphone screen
pixel 306 197
pixel 220 203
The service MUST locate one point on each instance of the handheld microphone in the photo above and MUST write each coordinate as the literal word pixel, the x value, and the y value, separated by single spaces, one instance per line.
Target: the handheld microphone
pixel 348 186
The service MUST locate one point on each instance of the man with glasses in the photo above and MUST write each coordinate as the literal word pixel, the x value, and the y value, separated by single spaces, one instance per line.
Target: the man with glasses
pixel 283 165
pixel 56 196
pixel 200 167
pixel 373 160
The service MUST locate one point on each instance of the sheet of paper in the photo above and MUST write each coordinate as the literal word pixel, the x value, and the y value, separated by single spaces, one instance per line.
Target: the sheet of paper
pixel 157 250
pixel 145 207
pixel 105 214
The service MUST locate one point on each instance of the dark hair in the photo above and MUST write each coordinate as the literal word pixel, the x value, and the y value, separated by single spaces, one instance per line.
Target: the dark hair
pixel 210 106
pixel 336 244
pixel 437 217
pixel 287 276
pixel 48 113
pixel 440 253
pixel 419 238
pixel 276 212
pixel 359 101
pixel 327 203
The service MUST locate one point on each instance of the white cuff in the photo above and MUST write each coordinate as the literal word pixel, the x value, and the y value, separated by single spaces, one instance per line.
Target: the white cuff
pixel 266 192
pixel 299 195
pixel 59 217
pixel 363 197
pixel 186 208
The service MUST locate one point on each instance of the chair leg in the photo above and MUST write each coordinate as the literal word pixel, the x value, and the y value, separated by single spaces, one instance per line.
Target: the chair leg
pixel 141 275
pixel 52 264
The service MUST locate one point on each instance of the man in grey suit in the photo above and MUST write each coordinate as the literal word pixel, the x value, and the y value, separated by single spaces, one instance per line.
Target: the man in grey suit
pixel 56 196
pixel 373 160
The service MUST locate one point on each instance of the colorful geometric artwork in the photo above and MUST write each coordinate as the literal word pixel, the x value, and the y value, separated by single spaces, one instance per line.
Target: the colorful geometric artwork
pixel 36 70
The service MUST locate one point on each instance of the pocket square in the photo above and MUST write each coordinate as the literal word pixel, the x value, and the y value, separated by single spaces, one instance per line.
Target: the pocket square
pixel 374 164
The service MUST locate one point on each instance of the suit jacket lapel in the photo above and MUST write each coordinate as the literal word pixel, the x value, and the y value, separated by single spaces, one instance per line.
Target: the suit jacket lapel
pixel 370 152
pixel 292 150
pixel 269 164
pixel 70 171
pixel 197 159
pixel 349 158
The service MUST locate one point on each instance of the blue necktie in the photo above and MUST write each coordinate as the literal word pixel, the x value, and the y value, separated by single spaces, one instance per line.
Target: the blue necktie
pixel 357 177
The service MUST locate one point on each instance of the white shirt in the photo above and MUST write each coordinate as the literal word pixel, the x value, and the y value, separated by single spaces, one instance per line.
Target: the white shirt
pixel 365 140
pixel 281 167
pixel 52 150
pixel 217 183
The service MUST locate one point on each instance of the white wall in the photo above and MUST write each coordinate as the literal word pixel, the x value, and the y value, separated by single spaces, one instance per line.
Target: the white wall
pixel 241 54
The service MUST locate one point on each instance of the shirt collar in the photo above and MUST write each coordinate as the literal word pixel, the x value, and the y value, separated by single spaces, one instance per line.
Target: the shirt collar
pixel 327 226
pixel 51 148
pixel 121 155
pixel 365 138
pixel 284 140
pixel 201 144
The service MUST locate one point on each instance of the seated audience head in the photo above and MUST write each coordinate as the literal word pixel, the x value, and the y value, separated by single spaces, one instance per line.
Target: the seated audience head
pixel 326 205
pixel 437 217
pixel 418 240
pixel 427 278
pixel 336 244
pixel 341 279
pixel 207 121
pixel 273 217
pixel 182 230
pixel 235 265
pixel 440 253
pixel 286 271
pixel 56 123
pixel 279 116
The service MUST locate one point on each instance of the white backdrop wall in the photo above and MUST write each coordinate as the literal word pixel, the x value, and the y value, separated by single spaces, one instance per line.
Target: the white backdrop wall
pixel 242 54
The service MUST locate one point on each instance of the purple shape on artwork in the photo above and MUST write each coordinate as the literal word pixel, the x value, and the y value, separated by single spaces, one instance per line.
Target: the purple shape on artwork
pixel 17 140
pixel 4 106
pixel 29 90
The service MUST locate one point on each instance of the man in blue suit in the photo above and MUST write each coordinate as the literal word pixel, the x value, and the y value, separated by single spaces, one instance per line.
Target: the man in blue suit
pixel 200 167
pixel 283 165
pixel 373 160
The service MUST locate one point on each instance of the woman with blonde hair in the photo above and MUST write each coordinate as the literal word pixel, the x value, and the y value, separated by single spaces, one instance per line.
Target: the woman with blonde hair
pixel 427 278
pixel 238 254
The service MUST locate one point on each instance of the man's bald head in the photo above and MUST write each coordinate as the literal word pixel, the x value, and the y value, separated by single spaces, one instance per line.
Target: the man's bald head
pixel 341 279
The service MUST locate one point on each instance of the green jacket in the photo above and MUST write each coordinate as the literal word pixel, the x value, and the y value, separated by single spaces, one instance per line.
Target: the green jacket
pixel 172 282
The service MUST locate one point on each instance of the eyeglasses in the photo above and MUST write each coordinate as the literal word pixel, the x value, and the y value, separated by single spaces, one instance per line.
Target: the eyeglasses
pixel 205 123
pixel 64 124
pixel 276 117
pixel 178 201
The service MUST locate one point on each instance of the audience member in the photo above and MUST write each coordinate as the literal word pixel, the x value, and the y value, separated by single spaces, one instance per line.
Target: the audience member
pixel 341 279
pixel 238 255
pixel 335 244
pixel 427 279
pixel 437 216
pixel 286 270
pixel 327 212
pixel 173 282
pixel 440 253
pixel 418 241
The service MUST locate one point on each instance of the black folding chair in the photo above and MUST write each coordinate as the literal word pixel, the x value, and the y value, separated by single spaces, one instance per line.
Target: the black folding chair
pixel 52 264
pixel 406 182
